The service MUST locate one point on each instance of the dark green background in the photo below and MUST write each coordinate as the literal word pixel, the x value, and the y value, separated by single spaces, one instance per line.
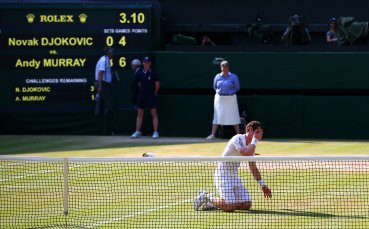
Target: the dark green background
pixel 302 94
pixel 312 95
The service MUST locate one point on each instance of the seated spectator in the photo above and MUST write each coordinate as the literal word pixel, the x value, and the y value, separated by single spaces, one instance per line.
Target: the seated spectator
pixel 207 41
pixel 297 32
pixel 331 35
pixel 261 31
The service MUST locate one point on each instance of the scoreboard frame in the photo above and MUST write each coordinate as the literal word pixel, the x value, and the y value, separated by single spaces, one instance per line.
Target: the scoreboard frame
pixel 50 51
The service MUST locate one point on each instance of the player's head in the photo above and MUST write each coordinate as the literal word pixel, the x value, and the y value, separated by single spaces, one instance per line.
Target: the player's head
pixel 254 126
pixel 146 62
pixel 135 64
pixel 109 52
pixel 332 23
pixel 224 66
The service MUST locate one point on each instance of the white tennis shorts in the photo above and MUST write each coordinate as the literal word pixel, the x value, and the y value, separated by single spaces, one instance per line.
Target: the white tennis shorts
pixel 231 189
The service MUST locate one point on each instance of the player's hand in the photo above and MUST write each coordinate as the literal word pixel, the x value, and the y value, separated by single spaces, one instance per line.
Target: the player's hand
pixel 267 192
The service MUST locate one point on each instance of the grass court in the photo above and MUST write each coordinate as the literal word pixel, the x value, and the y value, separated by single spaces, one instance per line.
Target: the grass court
pixel 160 195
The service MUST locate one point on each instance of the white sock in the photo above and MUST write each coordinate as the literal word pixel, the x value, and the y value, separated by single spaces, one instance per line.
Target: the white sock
pixel 210 197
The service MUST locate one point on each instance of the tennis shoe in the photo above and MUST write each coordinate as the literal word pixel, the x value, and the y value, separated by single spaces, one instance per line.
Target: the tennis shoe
pixel 200 200
pixel 155 135
pixel 136 134
pixel 211 137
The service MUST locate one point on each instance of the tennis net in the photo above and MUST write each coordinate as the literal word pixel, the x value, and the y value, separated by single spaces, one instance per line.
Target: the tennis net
pixel 308 192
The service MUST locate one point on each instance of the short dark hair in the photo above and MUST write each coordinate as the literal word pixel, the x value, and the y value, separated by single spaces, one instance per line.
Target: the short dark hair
pixel 254 125
pixel 108 50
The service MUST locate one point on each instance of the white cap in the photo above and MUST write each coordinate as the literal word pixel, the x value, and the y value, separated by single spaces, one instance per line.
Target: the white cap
pixel 224 63
pixel 136 62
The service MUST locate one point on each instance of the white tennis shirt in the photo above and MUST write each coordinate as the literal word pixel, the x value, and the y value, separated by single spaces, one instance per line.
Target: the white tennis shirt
pixel 231 168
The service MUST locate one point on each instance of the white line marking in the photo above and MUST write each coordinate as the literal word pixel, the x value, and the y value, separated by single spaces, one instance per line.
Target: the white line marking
pixel 98 224
pixel 38 173
pixel 29 175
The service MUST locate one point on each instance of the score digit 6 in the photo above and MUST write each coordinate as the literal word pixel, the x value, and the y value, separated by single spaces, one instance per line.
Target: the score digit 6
pixel 122 62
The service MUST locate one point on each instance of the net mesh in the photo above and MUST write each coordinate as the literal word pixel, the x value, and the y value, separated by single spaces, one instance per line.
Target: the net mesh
pixel 160 194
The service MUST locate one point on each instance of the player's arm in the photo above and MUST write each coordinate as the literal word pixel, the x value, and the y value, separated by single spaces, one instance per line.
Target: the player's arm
pixel 329 39
pixel 99 81
pixel 237 83
pixel 215 82
pixel 157 86
pixel 256 173
pixel 249 150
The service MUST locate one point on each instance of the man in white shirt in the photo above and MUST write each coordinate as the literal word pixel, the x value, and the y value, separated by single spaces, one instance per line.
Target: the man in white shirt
pixel 103 84
pixel 233 193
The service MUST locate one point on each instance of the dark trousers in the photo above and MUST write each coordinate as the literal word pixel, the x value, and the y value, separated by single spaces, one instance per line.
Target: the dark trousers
pixel 104 107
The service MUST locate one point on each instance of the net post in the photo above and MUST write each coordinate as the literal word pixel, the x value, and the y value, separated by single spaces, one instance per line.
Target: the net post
pixel 65 187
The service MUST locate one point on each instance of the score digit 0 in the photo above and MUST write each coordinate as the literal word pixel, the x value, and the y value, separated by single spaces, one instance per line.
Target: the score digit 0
pixel 110 41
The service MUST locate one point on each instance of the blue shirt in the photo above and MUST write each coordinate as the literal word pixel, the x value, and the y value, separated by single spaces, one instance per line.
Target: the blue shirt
pixel 332 35
pixel 226 85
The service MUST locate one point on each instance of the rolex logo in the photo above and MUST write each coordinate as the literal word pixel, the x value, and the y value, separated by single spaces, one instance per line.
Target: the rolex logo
pixel 30 18
pixel 83 18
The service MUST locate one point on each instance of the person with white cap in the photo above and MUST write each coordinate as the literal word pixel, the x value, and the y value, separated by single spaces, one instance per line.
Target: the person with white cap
pixel 136 66
pixel 226 85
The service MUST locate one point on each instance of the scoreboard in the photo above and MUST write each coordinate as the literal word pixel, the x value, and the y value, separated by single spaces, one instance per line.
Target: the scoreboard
pixel 49 51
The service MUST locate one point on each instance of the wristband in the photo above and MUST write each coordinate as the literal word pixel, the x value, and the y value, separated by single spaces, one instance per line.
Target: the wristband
pixel 254 141
pixel 261 183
